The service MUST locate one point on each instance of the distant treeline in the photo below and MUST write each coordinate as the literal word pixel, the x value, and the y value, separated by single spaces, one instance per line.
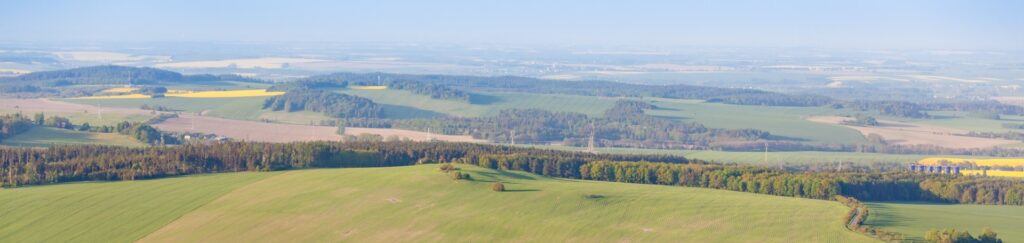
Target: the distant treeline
pixel 23 166
pixel 330 103
pixel 110 75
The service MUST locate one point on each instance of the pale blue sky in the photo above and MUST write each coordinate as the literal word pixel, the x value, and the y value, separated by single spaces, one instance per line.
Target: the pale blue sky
pixel 817 23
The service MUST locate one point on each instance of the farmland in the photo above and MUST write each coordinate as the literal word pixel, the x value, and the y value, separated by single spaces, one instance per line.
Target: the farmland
pixel 758 158
pixel 48 136
pixel 249 130
pixel 593 106
pixel 999 173
pixel 913 219
pixel 786 122
pixel 914 134
pixel 108 212
pixel 977 161
pixel 407 203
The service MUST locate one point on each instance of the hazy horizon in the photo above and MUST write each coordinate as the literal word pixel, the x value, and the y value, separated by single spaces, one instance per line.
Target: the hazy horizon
pixel 965 25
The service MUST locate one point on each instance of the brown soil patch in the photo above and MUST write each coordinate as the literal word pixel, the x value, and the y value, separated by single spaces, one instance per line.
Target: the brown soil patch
pixel 914 134
pixel 249 130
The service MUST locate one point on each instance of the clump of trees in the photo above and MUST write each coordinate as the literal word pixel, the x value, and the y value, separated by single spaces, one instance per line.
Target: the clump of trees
pixel 13 124
pixel 329 103
pixel 961 236
pixel 862 120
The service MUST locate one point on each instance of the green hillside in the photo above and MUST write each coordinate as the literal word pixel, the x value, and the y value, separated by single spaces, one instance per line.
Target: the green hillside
pixel 913 220
pixel 401 204
pixel 107 212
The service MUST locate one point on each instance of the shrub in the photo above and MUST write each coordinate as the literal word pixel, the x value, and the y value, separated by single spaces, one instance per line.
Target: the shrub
pixel 446 168
pixel 498 187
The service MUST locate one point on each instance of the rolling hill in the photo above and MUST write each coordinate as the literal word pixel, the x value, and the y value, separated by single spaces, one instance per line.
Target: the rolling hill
pixel 401 204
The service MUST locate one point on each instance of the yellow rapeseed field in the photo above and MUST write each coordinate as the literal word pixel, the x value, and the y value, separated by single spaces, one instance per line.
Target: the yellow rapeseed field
pixel 1000 173
pixel 224 94
pixel 375 87
pixel 978 162
pixel 118 90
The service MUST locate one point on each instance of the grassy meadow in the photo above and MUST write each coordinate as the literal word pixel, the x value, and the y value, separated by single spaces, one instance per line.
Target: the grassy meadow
pixel 401 204
pixel 48 136
pixel 785 122
pixel 913 220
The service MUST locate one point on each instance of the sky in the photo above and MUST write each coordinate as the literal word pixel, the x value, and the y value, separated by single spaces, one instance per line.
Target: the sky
pixel 887 24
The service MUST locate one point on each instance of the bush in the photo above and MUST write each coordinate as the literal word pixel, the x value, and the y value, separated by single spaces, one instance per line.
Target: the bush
pixel 446 168
pixel 498 187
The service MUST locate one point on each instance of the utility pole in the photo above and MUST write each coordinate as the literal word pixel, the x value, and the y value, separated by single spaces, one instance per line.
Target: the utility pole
pixel 513 132
pixel 590 144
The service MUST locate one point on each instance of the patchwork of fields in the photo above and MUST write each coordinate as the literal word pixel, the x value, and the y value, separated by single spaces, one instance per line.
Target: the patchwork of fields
pixel 414 203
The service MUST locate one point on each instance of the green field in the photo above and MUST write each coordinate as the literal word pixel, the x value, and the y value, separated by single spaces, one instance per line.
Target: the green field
pixel 402 204
pixel 590 105
pixel 93 119
pixel 758 158
pixel 965 121
pixel 48 136
pixel 913 220
pixel 108 212
pixel 788 122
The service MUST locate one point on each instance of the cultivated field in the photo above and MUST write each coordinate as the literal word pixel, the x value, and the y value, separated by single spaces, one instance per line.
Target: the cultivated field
pixel 593 106
pixel 998 173
pixel 77 113
pixel 916 134
pixel 108 212
pixel 410 135
pixel 913 220
pixel 224 93
pixel 774 158
pixel 192 94
pixel 266 62
pixel 418 203
pixel 48 136
pixel 249 130
pixel 784 122
pixel 977 161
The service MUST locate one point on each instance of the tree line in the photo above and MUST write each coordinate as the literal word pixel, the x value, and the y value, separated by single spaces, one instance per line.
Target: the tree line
pixel 23 166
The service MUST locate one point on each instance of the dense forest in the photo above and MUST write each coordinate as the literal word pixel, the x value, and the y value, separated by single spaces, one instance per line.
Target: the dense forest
pixel 23 166
pixel 330 103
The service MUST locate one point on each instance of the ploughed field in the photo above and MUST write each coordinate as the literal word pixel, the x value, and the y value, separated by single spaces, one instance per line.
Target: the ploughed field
pixel 402 204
